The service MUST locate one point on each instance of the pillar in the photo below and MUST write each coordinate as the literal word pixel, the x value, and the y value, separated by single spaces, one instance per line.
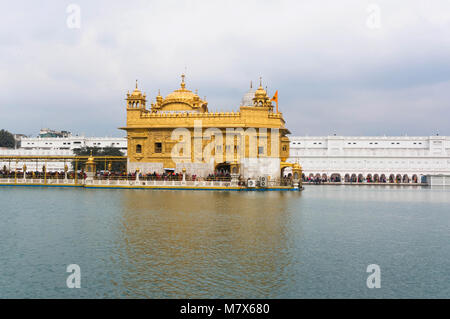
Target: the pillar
pixel 234 173
pixel 297 176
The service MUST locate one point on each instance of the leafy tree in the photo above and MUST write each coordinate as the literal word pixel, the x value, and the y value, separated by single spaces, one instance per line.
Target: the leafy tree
pixel 96 151
pixel 7 139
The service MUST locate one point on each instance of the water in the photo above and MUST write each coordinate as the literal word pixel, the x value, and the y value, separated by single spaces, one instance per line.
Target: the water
pixel 205 244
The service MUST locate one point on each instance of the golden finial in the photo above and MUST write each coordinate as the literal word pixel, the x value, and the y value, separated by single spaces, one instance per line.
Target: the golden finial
pixel 260 81
pixel 251 84
pixel 182 81
pixel 136 83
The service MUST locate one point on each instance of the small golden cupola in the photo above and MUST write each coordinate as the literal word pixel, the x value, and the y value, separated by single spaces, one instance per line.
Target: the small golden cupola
pixel 261 98
pixel 159 100
pixel 136 100
pixel 180 100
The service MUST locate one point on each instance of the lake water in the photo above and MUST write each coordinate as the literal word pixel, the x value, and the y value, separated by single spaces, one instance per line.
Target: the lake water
pixel 208 244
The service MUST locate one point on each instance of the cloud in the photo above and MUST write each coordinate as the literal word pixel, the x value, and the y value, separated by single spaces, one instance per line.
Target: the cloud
pixel 334 74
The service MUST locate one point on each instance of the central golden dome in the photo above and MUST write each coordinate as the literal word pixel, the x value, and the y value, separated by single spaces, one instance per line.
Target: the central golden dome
pixel 181 99
pixel 181 94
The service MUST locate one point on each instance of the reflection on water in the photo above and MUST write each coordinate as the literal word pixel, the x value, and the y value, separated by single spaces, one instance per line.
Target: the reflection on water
pixel 207 240
pixel 186 244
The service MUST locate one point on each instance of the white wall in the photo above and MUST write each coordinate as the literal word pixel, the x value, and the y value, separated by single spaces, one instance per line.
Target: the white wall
pixel 72 142
pixel 33 165
pixel 371 155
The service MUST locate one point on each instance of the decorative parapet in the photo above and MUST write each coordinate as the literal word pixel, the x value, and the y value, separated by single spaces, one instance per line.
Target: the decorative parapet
pixel 189 114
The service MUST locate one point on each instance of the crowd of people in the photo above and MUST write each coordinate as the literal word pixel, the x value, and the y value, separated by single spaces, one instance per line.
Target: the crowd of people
pixel 166 176
pixel 318 179
pixel 40 174
pixel 222 176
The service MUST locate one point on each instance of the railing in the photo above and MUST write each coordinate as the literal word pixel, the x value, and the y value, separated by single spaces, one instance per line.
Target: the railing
pixel 132 181
pixel 156 183
pixel 112 182
pixel 163 178
pixel 42 181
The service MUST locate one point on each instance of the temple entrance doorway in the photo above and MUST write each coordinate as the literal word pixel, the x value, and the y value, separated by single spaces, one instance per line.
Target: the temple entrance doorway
pixel 223 169
pixel 286 176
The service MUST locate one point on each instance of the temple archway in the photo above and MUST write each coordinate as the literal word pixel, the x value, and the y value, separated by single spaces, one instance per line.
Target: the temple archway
pixel 398 178
pixel 415 179
pixel 391 178
pixel 222 169
pixel 335 178
pixel 286 170
pixel 376 178
pixel 347 178
pixel 405 178
pixel 360 178
pixel 369 178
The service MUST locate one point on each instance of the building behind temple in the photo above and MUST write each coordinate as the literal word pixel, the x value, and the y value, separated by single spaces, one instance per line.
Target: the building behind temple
pixel 50 143
pixel 396 159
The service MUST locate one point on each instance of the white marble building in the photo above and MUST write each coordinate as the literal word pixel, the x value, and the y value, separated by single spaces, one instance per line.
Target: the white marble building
pixel 72 142
pixel 33 165
pixel 56 146
pixel 397 158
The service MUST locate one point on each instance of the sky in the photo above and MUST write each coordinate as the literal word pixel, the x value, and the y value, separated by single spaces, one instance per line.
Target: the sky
pixel 348 67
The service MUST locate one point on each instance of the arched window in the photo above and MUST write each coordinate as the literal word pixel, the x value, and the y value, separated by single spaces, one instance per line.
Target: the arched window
pixel 139 148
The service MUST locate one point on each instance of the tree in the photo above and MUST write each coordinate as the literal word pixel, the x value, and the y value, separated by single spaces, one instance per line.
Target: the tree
pixel 7 139
pixel 96 151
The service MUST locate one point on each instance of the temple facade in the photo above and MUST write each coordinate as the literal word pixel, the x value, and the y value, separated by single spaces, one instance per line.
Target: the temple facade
pixel 178 133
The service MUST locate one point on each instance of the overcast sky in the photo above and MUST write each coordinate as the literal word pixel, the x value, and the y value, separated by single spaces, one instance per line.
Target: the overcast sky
pixel 346 67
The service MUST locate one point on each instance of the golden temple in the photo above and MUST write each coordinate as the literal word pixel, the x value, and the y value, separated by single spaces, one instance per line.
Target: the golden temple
pixel 178 133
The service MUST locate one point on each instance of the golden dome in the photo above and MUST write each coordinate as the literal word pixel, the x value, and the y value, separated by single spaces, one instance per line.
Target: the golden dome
pixel 260 92
pixel 261 98
pixel 136 91
pixel 182 93
pixel 182 99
